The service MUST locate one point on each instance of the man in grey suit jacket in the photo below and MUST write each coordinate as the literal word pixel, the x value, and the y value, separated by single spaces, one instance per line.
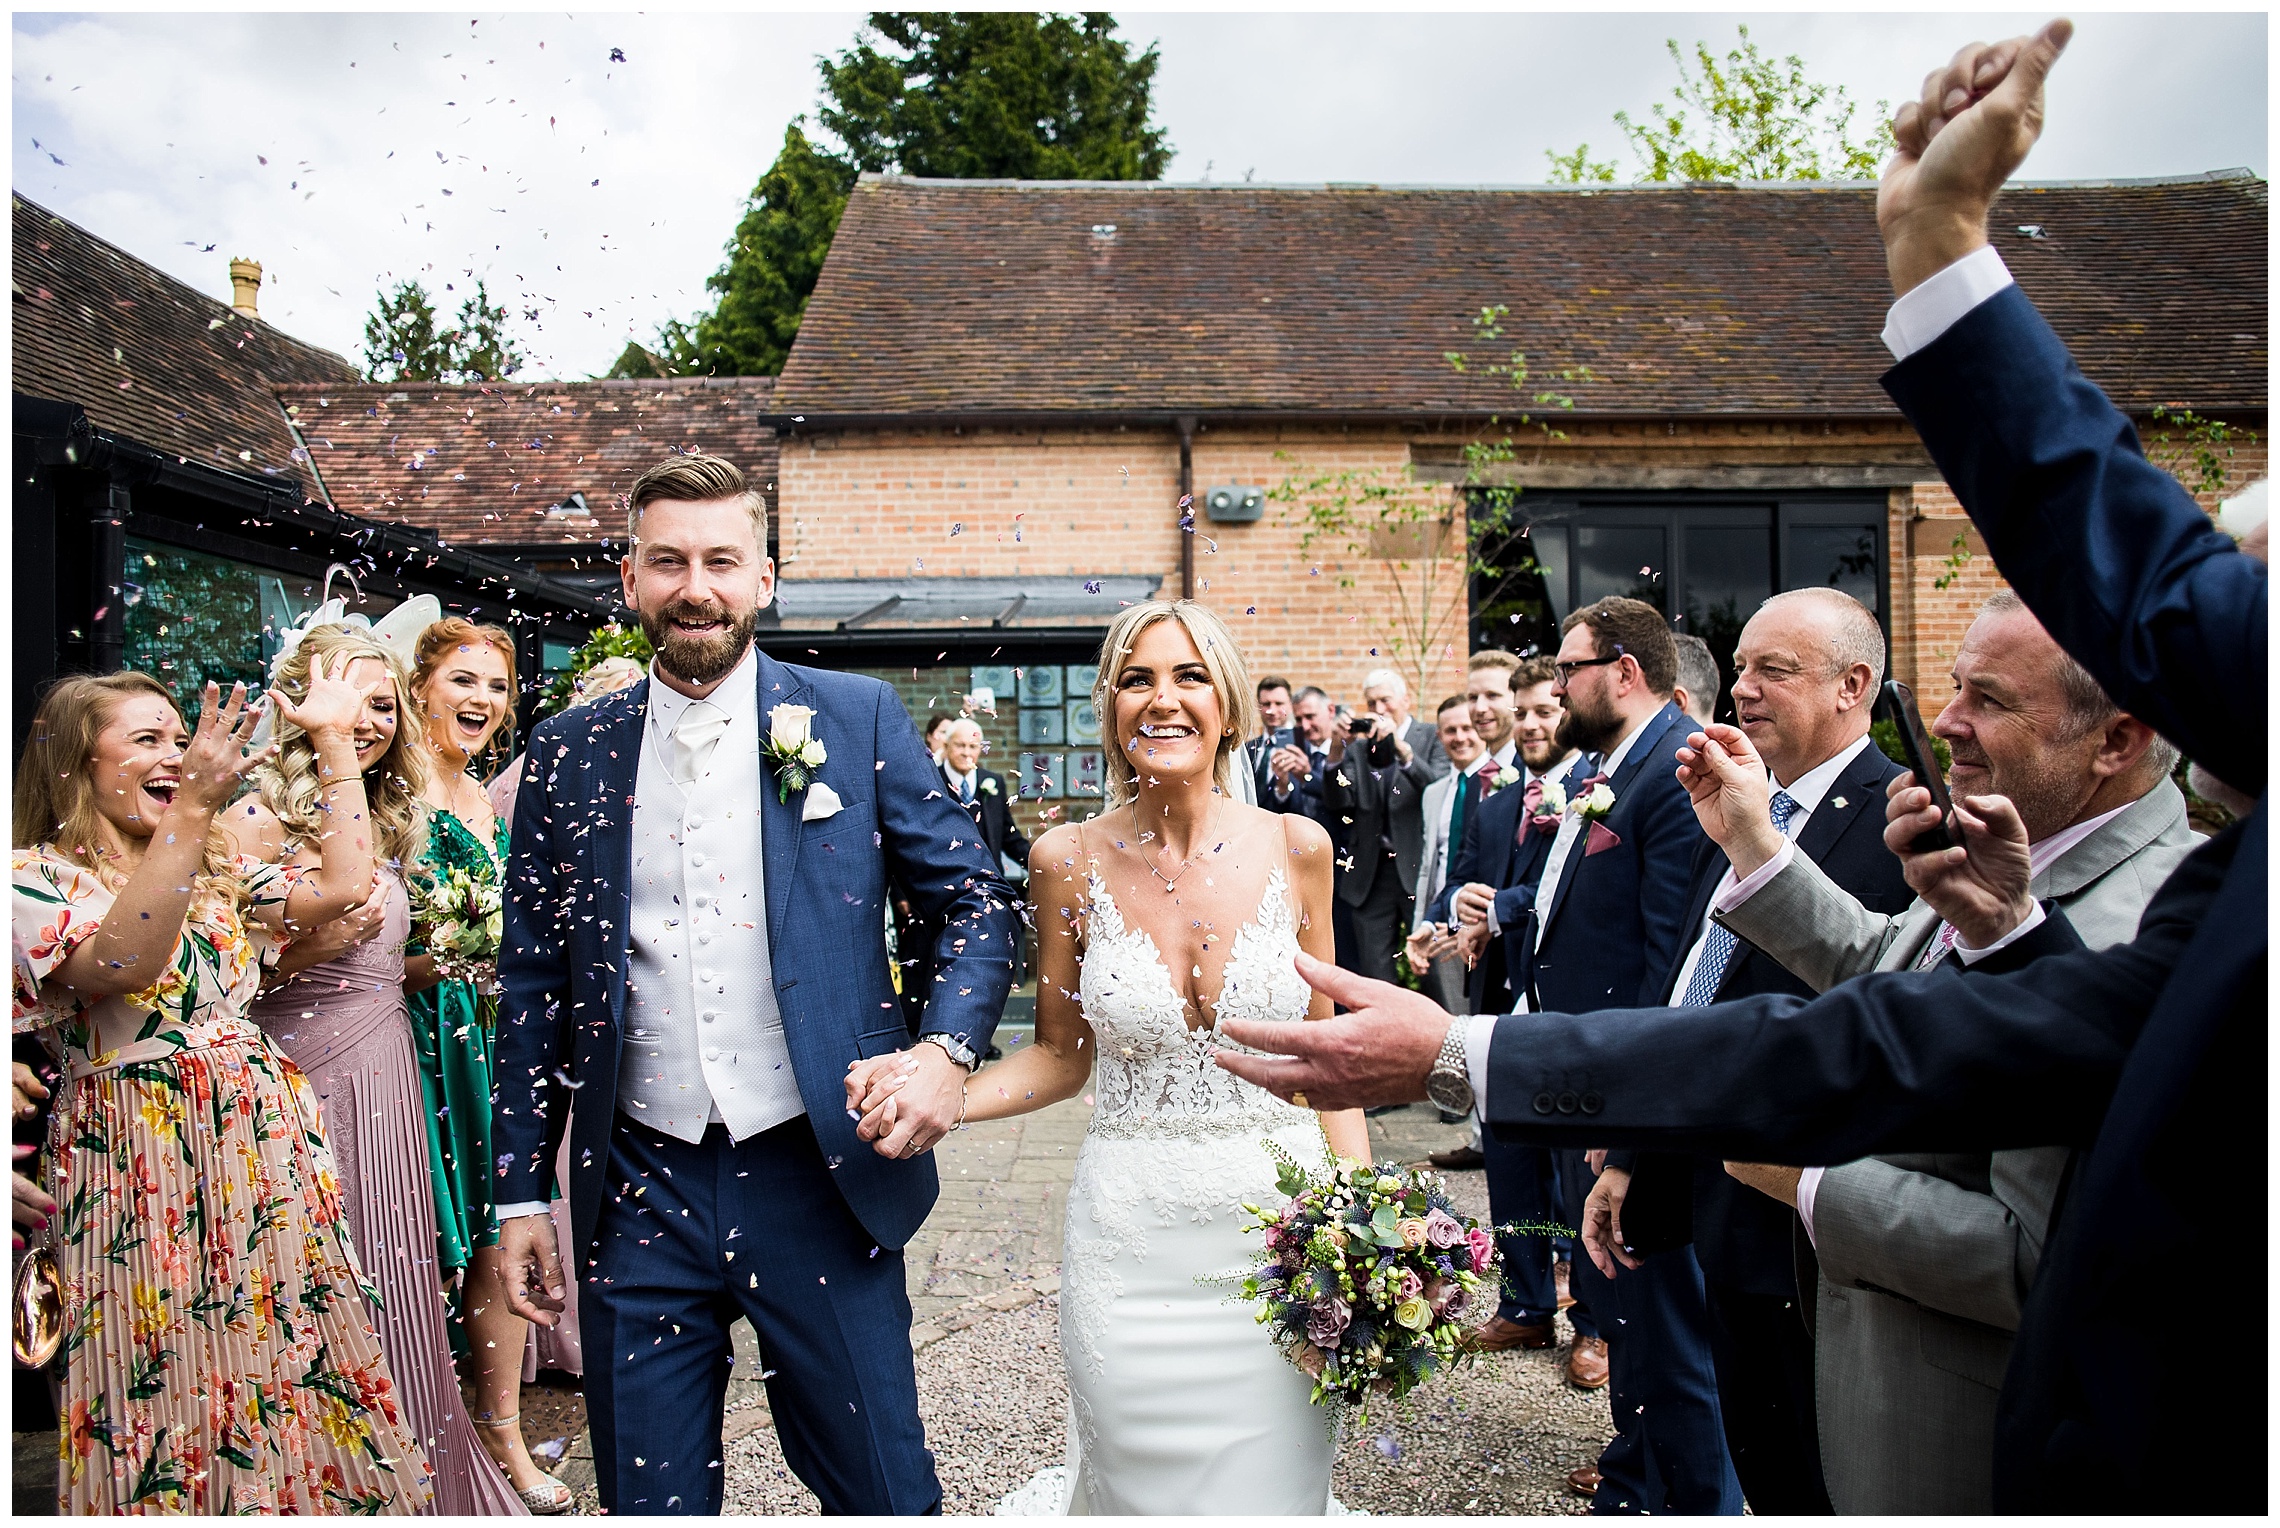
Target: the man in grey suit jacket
pixel 1925 1260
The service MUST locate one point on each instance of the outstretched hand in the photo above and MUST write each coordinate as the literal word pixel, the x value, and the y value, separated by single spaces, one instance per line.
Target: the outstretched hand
pixel 331 703
pixel 1982 886
pixel 1378 1053
pixel 1957 143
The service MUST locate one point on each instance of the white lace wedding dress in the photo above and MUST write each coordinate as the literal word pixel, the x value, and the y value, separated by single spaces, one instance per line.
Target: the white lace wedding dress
pixel 1178 1401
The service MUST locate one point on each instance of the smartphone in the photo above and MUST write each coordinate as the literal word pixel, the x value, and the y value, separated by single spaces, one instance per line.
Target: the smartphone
pixel 1281 737
pixel 1897 704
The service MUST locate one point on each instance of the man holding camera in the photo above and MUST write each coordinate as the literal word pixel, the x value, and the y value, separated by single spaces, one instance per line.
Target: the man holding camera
pixel 1380 763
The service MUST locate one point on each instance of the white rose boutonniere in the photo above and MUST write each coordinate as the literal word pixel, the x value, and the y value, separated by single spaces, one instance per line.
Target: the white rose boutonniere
pixel 1503 777
pixel 989 786
pixel 1594 804
pixel 793 749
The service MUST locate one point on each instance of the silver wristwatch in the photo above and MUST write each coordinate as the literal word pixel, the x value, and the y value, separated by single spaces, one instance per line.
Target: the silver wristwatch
pixel 1449 1084
pixel 953 1047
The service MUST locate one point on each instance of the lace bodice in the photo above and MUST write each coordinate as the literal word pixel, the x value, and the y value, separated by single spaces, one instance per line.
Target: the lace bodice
pixel 1154 1074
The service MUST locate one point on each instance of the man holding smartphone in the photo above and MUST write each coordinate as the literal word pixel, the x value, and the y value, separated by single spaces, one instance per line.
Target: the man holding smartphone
pixel 1926 1255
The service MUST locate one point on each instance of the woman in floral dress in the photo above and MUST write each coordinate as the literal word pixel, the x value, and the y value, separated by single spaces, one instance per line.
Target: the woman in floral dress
pixel 463 684
pixel 219 1354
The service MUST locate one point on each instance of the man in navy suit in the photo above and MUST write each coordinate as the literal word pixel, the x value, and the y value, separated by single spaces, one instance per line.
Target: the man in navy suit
pixel 1807 667
pixel 1507 840
pixel 1602 925
pixel 2151 1055
pixel 694 937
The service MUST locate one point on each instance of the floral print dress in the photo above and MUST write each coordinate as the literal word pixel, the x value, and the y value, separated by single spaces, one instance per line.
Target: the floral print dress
pixel 218 1352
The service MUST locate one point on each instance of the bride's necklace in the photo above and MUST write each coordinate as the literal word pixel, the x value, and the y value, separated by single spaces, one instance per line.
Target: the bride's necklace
pixel 1172 881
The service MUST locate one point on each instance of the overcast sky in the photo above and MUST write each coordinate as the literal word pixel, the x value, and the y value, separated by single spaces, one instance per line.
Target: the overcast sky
pixel 594 196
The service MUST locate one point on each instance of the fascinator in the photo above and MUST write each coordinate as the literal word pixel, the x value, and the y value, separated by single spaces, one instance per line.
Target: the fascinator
pixel 398 631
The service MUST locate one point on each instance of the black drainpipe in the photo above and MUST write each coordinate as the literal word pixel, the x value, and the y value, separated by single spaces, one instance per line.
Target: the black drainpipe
pixel 107 631
pixel 1187 499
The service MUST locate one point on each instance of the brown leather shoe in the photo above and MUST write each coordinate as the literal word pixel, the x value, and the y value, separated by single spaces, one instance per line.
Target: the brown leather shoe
pixel 1501 1336
pixel 1587 1363
pixel 1584 1482
pixel 1560 1282
pixel 1459 1159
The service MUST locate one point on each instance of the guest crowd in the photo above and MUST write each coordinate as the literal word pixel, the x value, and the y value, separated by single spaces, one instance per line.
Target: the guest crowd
pixel 265 1182
pixel 266 1178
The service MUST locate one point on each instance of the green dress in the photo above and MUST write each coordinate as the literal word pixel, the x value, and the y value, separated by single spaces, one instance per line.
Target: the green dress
pixel 452 1038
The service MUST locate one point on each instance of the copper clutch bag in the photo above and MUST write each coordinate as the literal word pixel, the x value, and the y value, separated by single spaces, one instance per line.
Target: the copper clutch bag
pixel 39 1307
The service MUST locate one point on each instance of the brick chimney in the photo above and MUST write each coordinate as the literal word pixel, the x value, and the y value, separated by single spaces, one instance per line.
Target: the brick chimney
pixel 245 286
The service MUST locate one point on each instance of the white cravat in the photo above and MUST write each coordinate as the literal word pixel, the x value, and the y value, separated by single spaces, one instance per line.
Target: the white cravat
pixel 695 736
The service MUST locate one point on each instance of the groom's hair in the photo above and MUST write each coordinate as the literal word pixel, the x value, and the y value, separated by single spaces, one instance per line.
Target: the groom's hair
pixel 694 478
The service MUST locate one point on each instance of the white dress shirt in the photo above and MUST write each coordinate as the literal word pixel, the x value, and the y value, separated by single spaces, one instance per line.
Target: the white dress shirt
pixel 964 788
pixel 703 1041
pixel 1919 317
pixel 1807 794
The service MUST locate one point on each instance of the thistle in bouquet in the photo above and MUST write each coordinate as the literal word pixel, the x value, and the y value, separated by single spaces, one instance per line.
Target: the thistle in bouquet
pixel 1366 1277
pixel 456 916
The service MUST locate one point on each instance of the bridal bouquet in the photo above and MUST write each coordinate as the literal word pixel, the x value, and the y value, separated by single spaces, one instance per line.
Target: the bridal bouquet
pixel 1366 1276
pixel 457 914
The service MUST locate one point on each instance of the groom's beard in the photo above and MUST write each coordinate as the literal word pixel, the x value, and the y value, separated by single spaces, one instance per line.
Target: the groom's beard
pixel 699 660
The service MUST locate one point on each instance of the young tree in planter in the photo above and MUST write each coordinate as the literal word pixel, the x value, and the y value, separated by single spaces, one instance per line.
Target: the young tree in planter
pixel 1436 549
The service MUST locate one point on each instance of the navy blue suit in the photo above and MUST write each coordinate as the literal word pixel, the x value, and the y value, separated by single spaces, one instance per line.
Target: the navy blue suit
pixel 1612 927
pixel 1523 1181
pixel 2151 1055
pixel 800 1228
pixel 1747 1243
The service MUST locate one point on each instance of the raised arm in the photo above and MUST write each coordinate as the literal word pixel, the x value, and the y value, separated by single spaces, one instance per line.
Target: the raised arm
pixel 341 879
pixel 2116 560
pixel 135 942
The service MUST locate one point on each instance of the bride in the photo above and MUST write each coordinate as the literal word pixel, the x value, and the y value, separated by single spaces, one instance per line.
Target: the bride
pixel 1174 906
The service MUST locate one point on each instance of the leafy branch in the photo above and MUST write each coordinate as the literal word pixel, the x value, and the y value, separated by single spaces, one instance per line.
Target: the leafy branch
pixel 2194 449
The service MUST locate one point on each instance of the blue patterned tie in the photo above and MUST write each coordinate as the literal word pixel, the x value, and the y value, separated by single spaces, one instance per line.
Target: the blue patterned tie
pixel 1718 946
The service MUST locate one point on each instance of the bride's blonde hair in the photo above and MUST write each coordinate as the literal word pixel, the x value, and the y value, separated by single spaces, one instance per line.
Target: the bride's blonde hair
pixel 1230 681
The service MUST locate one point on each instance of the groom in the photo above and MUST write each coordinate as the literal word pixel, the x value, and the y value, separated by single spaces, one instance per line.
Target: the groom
pixel 695 938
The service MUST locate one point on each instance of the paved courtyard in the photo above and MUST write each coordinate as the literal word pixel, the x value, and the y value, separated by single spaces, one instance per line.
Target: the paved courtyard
pixel 1496 1437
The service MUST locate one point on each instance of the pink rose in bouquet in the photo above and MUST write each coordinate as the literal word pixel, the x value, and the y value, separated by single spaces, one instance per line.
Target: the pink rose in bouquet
pixel 1443 1230
pixel 1483 1248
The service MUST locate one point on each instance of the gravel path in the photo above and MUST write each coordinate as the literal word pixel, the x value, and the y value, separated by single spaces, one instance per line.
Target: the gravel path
pixel 1497 1436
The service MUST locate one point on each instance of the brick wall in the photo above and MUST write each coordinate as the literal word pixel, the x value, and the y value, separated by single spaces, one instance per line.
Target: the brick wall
pixel 1929 621
pixel 866 504
pixel 876 504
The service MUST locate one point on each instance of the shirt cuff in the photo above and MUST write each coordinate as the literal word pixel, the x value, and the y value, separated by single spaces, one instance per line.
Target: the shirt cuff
pixel 1808 1186
pixel 527 1207
pixel 1750 885
pixel 1479 1035
pixel 1495 929
pixel 2027 925
pixel 1929 310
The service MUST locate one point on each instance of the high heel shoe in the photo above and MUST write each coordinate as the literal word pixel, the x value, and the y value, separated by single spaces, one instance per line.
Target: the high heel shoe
pixel 550 1497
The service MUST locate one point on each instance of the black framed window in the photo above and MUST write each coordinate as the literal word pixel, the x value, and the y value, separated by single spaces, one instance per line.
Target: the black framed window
pixel 1705 560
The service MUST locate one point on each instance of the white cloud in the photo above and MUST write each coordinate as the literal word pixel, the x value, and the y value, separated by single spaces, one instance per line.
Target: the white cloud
pixel 162 122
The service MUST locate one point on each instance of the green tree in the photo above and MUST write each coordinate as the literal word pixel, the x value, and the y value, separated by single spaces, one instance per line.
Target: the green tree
pixel 1746 117
pixel 1013 95
pixel 403 344
pixel 965 95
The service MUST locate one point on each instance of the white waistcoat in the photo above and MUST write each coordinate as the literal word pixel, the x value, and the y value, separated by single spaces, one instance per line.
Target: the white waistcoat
pixel 704 1040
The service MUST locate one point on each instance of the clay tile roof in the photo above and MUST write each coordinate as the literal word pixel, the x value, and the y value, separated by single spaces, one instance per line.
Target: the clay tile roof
pixel 993 298
pixel 486 463
pixel 150 358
